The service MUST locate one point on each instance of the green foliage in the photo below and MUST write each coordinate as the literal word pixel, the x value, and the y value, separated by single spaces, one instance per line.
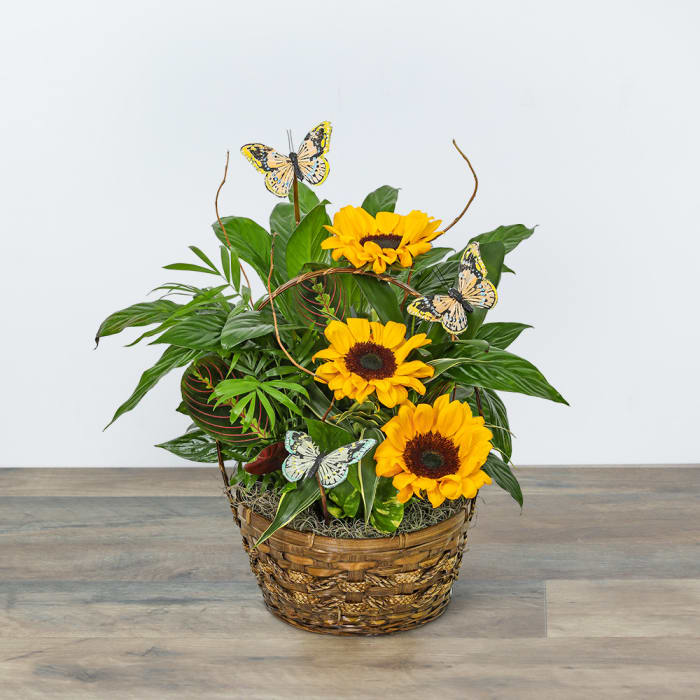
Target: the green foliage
pixel 502 371
pixel 496 418
pixel 143 314
pixel 381 297
pixel 327 436
pixel 502 474
pixel 492 254
pixel 346 496
pixel 367 474
pixel 510 236
pixel 250 241
pixel 242 324
pixel 304 244
pixel 200 332
pixel 291 504
pixel 387 512
pixel 195 445
pixel 382 199
pixel 500 334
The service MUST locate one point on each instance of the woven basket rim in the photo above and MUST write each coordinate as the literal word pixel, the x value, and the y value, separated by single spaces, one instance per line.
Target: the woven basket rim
pixel 367 544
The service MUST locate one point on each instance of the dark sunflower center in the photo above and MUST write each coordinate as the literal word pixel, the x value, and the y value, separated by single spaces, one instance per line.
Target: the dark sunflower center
pixel 370 361
pixel 431 455
pixel 383 240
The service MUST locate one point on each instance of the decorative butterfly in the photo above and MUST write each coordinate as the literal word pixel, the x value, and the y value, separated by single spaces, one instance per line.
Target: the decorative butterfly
pixel 307 163
pixel 472 291
pixel 305 459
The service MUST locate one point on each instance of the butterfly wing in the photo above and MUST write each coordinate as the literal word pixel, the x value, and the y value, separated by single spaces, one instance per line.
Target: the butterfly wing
pixel 302 455
pixel 471 281
pixel 454 320
pixel 314 167
pixel 423 308
pixel 278 168
pixel 333 469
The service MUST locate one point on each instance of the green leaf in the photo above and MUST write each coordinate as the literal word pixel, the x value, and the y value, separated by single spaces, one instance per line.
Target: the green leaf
pixel 281 398
pixel 304 244
pixel 381 297
pixel 347 497
pixel 200 332
pixel 502 371
pixel 189 267
pixel 291 504
pixel 496 416
pixel 501 334
pixel 172 357
pixel 510 236
pixel 137 315
pixel 382 199
pixel 326 435
pixel 267 406
pixel 307 198
pixel 195 446
pixel 387 512
pixel 242 326
pixel 283 224
pixel 502 474
pixel 431 257
pixel 200 254
pixel 367 473
pixel 492 254
pixel 227 389
pixel 199 382
pixel 249 240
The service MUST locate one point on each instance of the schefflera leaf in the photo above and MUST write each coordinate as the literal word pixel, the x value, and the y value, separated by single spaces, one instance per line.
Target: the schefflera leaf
pixel 197 385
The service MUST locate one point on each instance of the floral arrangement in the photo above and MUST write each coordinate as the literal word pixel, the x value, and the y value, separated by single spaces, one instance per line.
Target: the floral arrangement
pixel 366 377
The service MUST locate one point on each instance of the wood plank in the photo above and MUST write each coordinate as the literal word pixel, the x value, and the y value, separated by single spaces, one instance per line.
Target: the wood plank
pixel 117 609
pixel 399 666
pixel 647 608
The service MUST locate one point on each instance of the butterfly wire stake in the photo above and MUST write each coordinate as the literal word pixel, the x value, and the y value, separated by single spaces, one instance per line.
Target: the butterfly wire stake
pixel 295 182
pixel 223 230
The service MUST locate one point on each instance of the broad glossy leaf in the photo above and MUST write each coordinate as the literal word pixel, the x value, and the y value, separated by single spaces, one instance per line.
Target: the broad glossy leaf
pixel 502 371
pixel 496 417
pixel 347 497
pixel 387 512
pixel 291 504
pixel 137 315
pixel 172 357
pixel 381 297
pixel 304 244
pixel 382 199
pixel 501 334
pixel 250 241
pixel 242 326
pixel 195 446
pixel 326 435
pixel 502 474
pixel 432 257
pixel 198 384
pixel 510 236
pixel 199 332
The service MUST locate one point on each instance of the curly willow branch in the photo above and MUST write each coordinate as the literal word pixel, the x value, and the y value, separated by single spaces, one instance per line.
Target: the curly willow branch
pixel 476 187
pixel 335 271
pixel 223 230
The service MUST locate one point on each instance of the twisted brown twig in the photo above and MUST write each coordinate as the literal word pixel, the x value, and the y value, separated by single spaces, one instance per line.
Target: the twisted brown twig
pixel 471 199
pixel 218 218
pixel 335 271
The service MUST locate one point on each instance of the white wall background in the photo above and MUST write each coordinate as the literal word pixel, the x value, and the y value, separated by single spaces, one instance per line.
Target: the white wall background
pixel 582 117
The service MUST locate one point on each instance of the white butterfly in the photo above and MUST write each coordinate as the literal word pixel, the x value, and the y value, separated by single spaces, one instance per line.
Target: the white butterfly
pixel 306 459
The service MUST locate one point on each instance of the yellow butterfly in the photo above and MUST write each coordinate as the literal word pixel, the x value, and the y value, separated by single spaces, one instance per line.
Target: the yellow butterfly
pixel 472 291
pixel 307 163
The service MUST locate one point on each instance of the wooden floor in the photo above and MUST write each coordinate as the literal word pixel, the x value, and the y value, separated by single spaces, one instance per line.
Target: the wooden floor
pixel 133 584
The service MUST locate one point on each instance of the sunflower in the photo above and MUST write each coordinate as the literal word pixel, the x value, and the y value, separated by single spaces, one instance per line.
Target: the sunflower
pixel 381 240
pixel 370 357
pixel 439 449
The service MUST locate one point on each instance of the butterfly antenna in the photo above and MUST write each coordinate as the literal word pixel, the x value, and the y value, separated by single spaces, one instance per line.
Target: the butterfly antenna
pixel 289 141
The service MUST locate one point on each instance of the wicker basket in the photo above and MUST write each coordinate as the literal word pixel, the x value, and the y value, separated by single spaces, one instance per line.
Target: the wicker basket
pixel 355 586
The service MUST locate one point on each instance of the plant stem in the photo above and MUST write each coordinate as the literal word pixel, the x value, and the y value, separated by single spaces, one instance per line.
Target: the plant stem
pixel 477 396
pixel 222 468
pixel 324 504
pixel 295 189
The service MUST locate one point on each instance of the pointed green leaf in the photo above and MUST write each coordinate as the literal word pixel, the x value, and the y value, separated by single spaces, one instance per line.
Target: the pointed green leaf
pixel 381 297
pixel 502 474
pixel 304 244
pixel 189 267
pixel 501 334
pixel 387 512
pixel 382 199
pixel 510 236
pixel 367 473
pixel 250 241
pixel 291 504
pixel 245 325
pixel 137 315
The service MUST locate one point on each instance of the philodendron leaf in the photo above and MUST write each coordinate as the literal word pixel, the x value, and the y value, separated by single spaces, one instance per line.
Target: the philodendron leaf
pixel 195 446
pixel 197 386
pixel 307 198
pixel 172 357
pixel 382 199
pixel 502 474
pixel 250 241
pixel 326 435
pixel 502 371
pixel 500 334
pixel 304 245
pixel 387 512
pixel 367 473
pixel 291 504
pixel 199 332
pixel 245 325
pixel 137 315
pixel 346 496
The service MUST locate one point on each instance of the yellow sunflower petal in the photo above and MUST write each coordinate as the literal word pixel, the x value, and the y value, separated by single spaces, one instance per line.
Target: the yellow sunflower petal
pixel 359 327
pixel 423 418
pixel 415 341
pixel 449 419
pixel 435 498
pixel 339 335
pixel 387 221
pixel 450 489
pixel 403 480
pixel 404 494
